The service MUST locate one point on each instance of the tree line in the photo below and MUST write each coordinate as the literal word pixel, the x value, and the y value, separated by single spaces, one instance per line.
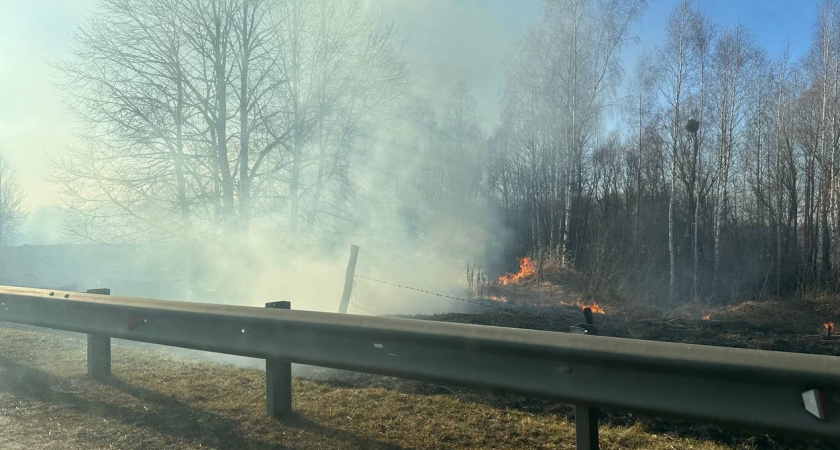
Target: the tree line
pixel 717 183
pixel 705 172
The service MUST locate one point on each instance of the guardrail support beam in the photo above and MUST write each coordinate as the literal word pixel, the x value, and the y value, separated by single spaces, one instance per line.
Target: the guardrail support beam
pixel 586 418
pixel 99 349
pixel 586 427
pixel 278 379
pixel 98 356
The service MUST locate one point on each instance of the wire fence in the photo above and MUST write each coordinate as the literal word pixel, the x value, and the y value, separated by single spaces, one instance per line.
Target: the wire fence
pixel 355 305
pixel 437 294
pixel 363 309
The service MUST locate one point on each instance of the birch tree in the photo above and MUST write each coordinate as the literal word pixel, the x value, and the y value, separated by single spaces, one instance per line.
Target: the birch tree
pixel 558 88
pixel 734 59
pixel 679 76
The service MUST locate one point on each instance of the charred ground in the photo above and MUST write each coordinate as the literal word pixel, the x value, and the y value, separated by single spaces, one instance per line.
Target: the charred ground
pixel 790 325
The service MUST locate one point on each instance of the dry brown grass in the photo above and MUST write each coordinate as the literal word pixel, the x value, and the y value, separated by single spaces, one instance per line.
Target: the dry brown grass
pixel 159 401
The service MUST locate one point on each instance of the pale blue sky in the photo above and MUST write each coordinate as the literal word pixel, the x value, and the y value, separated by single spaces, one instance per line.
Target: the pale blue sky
pixel 453 40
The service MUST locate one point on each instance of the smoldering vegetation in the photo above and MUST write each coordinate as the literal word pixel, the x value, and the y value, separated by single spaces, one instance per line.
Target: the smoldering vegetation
pixel 243 145
pixel 230 151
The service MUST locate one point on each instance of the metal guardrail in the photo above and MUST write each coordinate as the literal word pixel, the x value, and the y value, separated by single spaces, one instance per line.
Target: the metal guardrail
pixel 749 388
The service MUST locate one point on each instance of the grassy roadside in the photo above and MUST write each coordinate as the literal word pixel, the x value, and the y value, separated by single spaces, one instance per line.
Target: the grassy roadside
pixel 160 401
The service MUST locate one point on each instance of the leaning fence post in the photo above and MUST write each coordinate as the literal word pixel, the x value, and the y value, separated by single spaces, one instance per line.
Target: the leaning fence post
pixel 586 417
pixel 278 379
pixel 348 279
pixel 99 349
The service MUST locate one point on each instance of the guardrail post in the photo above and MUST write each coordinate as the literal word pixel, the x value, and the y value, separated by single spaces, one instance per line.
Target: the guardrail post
pixel 586 427
pixel 99 349
pixel 278 379
pixel 586 418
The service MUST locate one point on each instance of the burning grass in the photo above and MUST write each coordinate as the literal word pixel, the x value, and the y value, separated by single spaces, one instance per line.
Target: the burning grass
pixel 804 324
pixel 527 268
pixel 594 306
pixel 523 288
pixel 158 401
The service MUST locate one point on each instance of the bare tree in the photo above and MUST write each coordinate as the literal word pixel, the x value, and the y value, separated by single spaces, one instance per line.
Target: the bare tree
pixel 138 174
pixel 202 115
pixel 11 203
pixel 679 77
pixel 734 60
pixel 820 141
pixel 458 145
pixel 559 86
pixel 341 60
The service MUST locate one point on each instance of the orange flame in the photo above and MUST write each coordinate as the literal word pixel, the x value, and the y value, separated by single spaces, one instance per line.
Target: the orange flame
pixel 527 267
pixel 829 326
pixel 707 317
pixel 500 298
pixel 594 306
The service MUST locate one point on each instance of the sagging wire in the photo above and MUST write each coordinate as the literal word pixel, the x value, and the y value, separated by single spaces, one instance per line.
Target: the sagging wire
pixel 452 297
pixel 352 302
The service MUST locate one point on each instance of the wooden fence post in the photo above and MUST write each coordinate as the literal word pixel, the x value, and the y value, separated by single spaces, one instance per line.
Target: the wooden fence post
pixel 99 349
pixel 348 279
pixel 278 379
